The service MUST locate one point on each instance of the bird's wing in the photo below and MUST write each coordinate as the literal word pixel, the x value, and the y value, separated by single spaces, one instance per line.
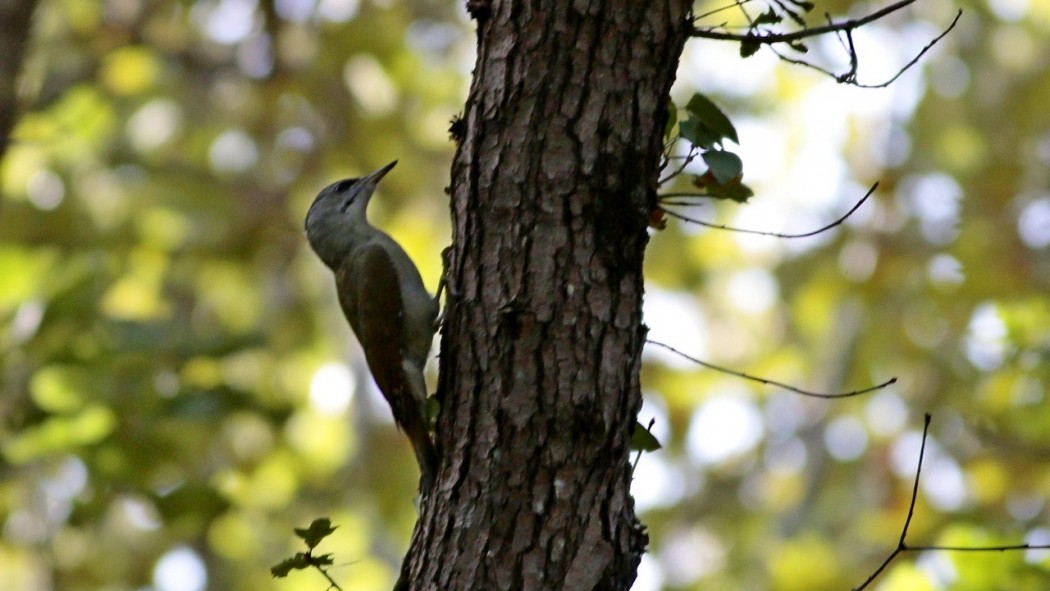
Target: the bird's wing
pixel 371 299
pixel 374 307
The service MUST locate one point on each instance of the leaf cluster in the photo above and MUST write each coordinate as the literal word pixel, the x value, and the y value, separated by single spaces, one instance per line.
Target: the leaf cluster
pixel 706 127
pixel 792 9
pixel 313 535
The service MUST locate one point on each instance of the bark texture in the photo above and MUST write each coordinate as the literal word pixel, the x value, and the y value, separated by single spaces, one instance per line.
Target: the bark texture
pixel 551 191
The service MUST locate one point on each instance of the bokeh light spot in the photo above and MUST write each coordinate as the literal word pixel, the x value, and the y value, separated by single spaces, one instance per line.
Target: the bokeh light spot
pixel 180 569
pixel 723 427
pixel 332 389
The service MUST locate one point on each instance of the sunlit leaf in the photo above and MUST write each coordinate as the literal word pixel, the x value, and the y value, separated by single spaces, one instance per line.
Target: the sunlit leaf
pixel 60 388
pixel 130 70
pixel 60 434
pixel 23 270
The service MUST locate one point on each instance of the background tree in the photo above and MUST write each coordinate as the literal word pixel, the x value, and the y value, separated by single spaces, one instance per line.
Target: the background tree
pixel 14 20
pixel 174 389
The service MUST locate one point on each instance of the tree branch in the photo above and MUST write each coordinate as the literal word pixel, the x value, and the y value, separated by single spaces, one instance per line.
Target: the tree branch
pixel 766 382
pixel 902 546
pixel 845 28
pixel 770 38
pixel 850 76
pixel 760 232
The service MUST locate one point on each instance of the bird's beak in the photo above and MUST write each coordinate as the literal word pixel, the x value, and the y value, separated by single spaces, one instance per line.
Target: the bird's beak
pixel 376 176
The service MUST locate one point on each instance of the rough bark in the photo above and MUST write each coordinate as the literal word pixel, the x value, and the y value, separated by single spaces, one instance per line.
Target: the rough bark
pixel 551 191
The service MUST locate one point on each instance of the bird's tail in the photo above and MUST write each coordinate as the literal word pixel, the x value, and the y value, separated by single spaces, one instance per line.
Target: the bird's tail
pixel 415 426
pixel 426 454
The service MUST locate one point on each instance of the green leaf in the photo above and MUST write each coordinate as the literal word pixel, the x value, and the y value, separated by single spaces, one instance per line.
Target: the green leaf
pixel 642 439
pixel 749 46
pixel 709 116
pixel 672 119
pixel 798 19
pixel 732 191
pixel 698 134
pixel 768 17
pixel 322 560
pixel 433 409
pixel 725 166
pixel 688 130
pixel 298 562
pixel 318 530
pixel 792 13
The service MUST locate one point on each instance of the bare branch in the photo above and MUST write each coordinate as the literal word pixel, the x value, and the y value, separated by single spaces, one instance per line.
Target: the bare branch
pixel 760 232
pixel 770 38
pixel 692 194
pixel 926 418
pixel 902 546
pixel 736 4
pixel 766 382
pixel 1009 548
pixel 911 510
pixel 680 203
pixel 850 76
pixel 918 56
pixel 843 29
pixel 686 161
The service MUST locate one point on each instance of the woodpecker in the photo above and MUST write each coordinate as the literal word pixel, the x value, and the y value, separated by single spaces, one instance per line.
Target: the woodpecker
pixel 383 298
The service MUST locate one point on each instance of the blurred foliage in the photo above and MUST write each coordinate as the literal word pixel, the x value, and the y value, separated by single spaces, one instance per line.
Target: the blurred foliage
pixel 941 279
pixel 175 372
pixel 165 330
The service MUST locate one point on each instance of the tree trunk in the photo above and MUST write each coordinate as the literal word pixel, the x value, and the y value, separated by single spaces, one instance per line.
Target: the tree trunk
pixel 552 187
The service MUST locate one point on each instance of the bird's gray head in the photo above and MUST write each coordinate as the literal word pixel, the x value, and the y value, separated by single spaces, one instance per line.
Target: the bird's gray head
pixel 336 219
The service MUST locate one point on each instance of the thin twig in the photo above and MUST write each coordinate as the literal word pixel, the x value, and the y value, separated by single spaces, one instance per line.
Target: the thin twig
pixel 845 28
pixel 770 38
pixel 850 76
pixel 686 161
pixel 1009 548
pixel 331 582
pixel 680 203
pixel 761 232
pixel 662 196
pixel 638 458
pixel 918 56
pixel 926 418
pixel 717 10
pixel 766 382
pixel 827 17
pixel 902 545
pixel 911 510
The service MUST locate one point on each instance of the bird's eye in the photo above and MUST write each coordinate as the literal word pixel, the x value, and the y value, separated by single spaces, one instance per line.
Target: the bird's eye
pixel 342 186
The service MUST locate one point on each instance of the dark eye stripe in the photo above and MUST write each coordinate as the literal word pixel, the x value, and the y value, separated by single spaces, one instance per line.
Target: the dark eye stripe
pixel 344 185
